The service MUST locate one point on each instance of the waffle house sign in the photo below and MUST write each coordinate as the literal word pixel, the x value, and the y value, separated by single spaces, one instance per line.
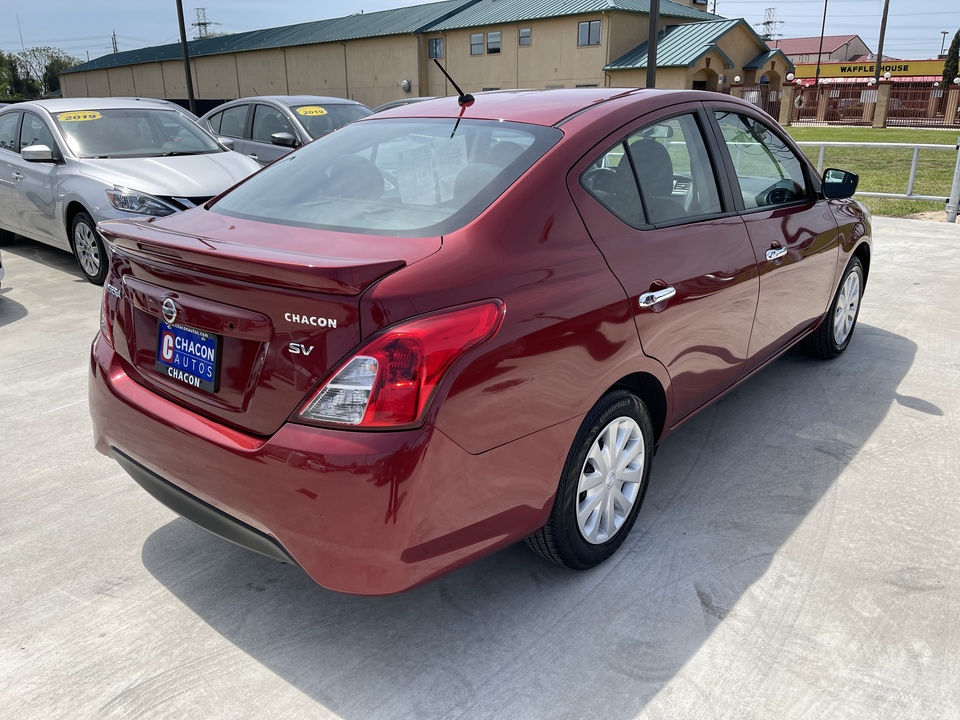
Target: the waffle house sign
pixel 896 68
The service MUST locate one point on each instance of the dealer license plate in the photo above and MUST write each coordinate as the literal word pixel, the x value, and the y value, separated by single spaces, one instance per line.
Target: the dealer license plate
pixel 188 356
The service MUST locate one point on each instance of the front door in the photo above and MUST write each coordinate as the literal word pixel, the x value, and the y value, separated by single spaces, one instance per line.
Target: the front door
pixel 651 203
pixel 36 190
pixel 793 231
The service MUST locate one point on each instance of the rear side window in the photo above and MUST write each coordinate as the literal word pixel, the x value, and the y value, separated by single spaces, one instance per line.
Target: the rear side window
pixel 669 162
pixel 231 122
pixel 403 177
pixel 768 171
pixel 8 131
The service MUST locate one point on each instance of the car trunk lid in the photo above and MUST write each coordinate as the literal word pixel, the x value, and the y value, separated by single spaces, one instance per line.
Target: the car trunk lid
pixel 239 320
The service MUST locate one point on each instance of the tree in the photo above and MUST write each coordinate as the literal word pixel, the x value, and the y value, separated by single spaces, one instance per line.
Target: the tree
pixel 41 65
pixel 951 66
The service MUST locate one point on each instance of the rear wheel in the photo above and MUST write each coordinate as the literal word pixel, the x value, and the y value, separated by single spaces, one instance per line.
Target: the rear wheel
pixel 89 249
pixel 833 335
pixel 602 486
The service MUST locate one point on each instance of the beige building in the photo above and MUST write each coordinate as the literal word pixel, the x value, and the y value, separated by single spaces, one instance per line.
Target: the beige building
pixel 484 44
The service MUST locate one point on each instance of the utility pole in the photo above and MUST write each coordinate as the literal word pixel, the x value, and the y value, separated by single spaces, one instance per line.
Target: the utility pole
pixel 943 41
pixel 652 43
pixel 714 11
pixel 823 27
pixel 186 59
pixel 883 31
pixel 114 39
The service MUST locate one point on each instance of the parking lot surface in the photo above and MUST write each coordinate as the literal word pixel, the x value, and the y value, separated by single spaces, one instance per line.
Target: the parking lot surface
pixel 796 555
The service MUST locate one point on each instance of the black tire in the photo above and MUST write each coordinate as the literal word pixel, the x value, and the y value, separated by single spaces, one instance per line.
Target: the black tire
pixel 88 248
pixel 833 335
pixel 562 540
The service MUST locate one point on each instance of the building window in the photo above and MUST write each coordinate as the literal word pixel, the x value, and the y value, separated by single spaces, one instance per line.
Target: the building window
pixel 493 43
pixel 588 33
pixel 524 37
pixel 593 85
pixel 435 48
pixel 490 89
pixel 476 44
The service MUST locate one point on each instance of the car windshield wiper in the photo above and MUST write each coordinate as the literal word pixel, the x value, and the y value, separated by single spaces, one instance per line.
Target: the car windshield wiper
pixel 172 153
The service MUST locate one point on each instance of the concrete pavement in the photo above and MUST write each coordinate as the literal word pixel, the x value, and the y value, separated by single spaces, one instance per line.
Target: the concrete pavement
pixel 797 555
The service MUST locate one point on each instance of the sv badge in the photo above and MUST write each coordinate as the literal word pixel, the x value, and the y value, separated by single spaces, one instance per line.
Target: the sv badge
pixel 298 349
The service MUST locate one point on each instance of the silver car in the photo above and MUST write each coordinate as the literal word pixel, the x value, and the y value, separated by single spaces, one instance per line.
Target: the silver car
pixel 268 127
pixel 66 165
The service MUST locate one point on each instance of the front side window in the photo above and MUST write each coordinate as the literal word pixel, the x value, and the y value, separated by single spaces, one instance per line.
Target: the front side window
pixel 588 33
pixel 493 43
pixel 525 37
pixel 476 44
pixel 34 131
pixel 268 120
pixel 140 132
pixel 435 48
pixel 403 177
pixel 768 171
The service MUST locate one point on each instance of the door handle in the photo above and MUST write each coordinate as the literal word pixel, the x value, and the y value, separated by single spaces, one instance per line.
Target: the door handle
pixel 254 156
pixel 17 175
pixel 776 253
pixel 652 298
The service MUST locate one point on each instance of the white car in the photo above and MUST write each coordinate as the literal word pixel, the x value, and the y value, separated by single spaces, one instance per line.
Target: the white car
pixel 67 164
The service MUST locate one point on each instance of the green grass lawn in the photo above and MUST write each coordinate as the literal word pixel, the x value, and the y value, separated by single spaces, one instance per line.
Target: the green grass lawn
pixel 888 170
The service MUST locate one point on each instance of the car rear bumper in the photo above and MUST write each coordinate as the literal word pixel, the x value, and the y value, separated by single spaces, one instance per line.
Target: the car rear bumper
pixel 369 513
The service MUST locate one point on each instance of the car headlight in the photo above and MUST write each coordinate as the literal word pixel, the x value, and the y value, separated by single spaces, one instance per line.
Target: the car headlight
pixel 138 202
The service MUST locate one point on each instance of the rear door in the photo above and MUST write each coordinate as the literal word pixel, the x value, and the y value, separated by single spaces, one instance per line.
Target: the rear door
pixel 651 201
pixel 9 169
pixel 792 229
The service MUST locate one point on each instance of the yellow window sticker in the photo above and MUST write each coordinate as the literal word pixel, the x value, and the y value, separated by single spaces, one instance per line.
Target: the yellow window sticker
pixel 311 110
pixel 78 115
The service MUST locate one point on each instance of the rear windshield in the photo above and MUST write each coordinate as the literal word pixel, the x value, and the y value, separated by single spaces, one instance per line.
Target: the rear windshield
pixel 403 177
pixel 321 119
pixel 147 132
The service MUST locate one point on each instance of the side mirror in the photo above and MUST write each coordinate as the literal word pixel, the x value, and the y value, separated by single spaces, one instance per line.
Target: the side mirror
pixel 226 142
pixel 37 153
pixel 839 184
pixel 283 138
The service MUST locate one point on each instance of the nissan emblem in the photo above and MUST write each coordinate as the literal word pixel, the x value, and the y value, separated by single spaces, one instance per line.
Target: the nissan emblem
pixel 169 310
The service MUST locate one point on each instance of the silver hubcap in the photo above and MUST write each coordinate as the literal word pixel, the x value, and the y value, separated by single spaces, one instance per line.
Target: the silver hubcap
pixel 88 251
pixel 610 480
pixel 846 310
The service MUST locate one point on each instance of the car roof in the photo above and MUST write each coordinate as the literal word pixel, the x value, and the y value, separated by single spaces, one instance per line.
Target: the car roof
pixel 84 103
pixel 538 107
pixel 297 99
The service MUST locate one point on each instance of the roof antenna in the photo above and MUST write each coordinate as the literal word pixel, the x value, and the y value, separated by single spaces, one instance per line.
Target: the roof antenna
pixel 465 100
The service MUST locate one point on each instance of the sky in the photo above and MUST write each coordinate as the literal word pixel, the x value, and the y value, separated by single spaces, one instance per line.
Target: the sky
pixel 913 29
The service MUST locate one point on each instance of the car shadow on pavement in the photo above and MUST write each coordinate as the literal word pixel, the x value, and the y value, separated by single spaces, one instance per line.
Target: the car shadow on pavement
pixel 514 636
pixel 48 255
pixel 10 310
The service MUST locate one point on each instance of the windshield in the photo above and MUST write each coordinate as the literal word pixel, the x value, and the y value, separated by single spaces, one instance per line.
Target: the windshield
pixel 404 177
pixel 321 119
pixel 140 132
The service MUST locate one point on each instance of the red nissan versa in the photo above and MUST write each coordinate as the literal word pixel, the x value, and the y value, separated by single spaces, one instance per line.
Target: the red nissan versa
pixel 441 329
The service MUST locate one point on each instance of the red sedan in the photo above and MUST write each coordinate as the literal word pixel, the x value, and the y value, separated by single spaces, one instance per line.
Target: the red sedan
pixel 443 329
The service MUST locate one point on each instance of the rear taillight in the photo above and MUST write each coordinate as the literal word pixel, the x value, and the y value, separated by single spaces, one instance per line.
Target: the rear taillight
pixel 389 381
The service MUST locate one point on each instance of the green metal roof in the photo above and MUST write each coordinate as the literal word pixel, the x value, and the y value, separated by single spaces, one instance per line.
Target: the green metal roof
pixel 763 58
pixel 399 21
pixel 495 12
pixel 682 45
